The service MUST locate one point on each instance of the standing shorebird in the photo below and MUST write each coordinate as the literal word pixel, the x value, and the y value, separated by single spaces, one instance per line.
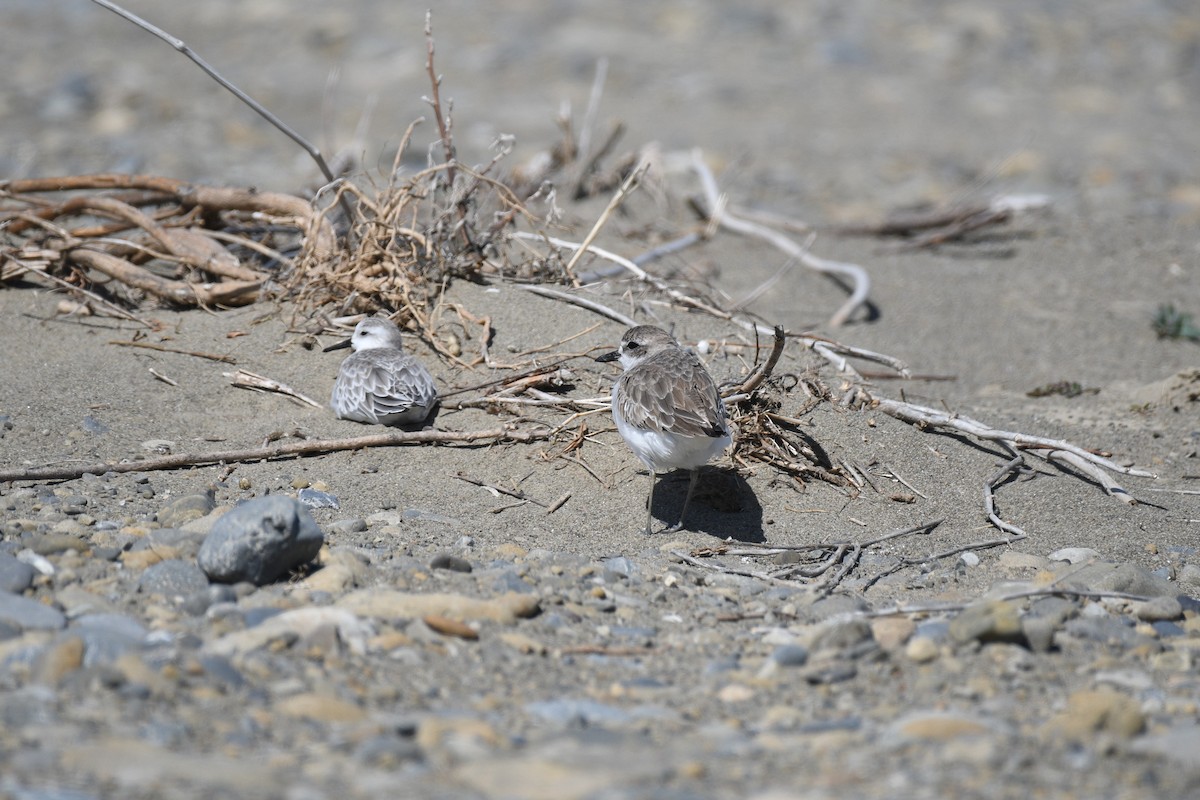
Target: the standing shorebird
pixel 667 408
pixel 379 383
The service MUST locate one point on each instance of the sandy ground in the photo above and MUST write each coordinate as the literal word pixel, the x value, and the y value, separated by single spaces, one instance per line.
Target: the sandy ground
pixel 826 112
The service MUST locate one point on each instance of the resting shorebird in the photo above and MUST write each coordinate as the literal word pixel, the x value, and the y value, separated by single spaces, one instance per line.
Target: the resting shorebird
pixel 379 383
pixel 667 408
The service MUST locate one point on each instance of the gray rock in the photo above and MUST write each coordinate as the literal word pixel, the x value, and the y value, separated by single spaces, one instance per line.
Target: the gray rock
pixel 1125 577
pixel 1074 555
pixel 988 621
pixel 347 526
pixel 185 509
pixel 842 634
pixel 107 636
pixel 260 540
pixel 1158 608
pixel 618 567
pixel 27 614
pixel 315 498
pixel 15 575
pixel 790 655
pixel 199 602
pixel 172 578
pixel 835 605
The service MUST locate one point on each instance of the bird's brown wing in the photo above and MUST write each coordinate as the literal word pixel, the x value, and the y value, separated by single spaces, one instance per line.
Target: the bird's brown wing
pixel 673 395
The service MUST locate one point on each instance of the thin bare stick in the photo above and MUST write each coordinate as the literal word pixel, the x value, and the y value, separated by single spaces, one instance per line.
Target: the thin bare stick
pixel 164 349
pixel 182 47
pixel 582 302
pixel 499 435
pixel 628 185
pixel 764 370
pixel 514 493
pixel 858 277
pixel 989 496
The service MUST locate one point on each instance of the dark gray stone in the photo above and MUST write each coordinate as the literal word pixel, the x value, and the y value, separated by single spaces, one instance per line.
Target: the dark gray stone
pixel 15 575
pixel 790 655
pixel 315 498
pixel 260 540
pixel 199 602
pixel 172 578
pixel 450 562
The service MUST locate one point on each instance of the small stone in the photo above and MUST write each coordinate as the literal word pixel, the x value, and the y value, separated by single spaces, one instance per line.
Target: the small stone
pixel 15 575
pixel 260 540
pixel 1126 577
pixel 185 509
pixel 790 655
pixel 347 526
pixel 892 632
pixel 450 627
pixel 57 660
pixel 987 621
pixel 315 498
pixel 939 726
pixel 1100 711
pixel 523 644
pixel 922 649
pixel 1190 574
pixel 1074 555
pixel 320 707
pixel 448 561
pixel 392 604
pixel 970 559
pixel 735 693
pixel 173 578
pixel 1158 608
pixel 26 614
pixel 829 671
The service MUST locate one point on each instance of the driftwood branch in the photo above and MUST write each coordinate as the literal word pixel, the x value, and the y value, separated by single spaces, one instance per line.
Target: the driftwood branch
pixel 289 449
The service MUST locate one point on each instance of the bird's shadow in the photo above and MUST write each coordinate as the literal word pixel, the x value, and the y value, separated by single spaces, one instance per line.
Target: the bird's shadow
pixel 724 505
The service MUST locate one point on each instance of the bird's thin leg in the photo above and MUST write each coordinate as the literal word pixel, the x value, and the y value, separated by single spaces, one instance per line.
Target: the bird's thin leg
pixel 650 506
pixel 695 476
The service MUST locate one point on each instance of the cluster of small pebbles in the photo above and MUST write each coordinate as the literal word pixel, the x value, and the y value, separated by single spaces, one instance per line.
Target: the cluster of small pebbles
pixel 180 647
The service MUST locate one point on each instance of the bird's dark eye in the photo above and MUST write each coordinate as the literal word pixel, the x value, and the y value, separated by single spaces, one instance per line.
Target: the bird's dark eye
pixel 632 346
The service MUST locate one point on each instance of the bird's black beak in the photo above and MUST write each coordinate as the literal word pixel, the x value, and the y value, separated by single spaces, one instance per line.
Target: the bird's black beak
pixel 340 345
pixel 613 356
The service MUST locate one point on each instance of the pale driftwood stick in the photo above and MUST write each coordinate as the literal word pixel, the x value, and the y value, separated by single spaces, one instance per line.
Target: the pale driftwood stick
pixel 582 302
pixel 212 198
pixel 1047 592
pixel 922 415
pixel 224 293
pixel 1111 487
pixel 191 247
pixel 304 448
pixel 249 380
pixel 641 259
pixel 989 497
pixel 858 277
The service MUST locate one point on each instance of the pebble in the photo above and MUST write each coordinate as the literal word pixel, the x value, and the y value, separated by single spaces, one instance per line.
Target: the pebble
pixel 15 575
pixel 1161 608
pixel 1089 712
pixel 892 632
pixel 393 604
pixel 315 498
pixel 1075 555
pixel 939 726
pixel 988 621
pixel 173 578
pixel 320 707
pixel 922 649
pixel 260 541
pixel 185 509
pixel 448 561
pixel 26 614
pixel 790 655
pixel 1125 577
